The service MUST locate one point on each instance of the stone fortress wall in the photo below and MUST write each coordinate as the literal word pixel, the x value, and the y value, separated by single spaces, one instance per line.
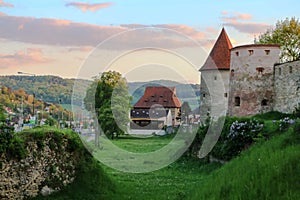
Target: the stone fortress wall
pixel 252 83
pixel 251 79
pixel 214 91
pixel 287 86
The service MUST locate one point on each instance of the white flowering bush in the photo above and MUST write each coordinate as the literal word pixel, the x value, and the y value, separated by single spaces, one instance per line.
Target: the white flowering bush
pixel 246 129
pixel 285 123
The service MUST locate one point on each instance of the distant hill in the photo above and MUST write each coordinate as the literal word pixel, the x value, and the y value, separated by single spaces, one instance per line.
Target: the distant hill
pixel 54 89
pixel 185 92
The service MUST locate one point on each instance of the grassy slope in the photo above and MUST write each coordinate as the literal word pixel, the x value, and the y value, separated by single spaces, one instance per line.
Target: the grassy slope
pixel 270 170
pixel 172 182
pixel 267 171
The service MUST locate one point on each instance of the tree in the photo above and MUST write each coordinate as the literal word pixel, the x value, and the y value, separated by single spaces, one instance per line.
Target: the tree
pixel 185 111
pixel 286 33
pixel 108 95
pixel 2 115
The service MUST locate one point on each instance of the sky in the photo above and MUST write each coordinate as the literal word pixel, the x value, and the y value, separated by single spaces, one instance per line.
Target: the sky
pixel 144 40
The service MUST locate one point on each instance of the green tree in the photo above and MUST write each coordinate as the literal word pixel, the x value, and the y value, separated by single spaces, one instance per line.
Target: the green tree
pixel 2 115
pixel 108 95
pixel 185 111
pixel 286 33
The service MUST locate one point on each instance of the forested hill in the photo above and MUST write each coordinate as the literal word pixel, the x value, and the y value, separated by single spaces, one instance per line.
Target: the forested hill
pixel 52 89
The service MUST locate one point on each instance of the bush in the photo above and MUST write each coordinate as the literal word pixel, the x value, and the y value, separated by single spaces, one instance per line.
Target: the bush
pixel 10 144
pixel 273 115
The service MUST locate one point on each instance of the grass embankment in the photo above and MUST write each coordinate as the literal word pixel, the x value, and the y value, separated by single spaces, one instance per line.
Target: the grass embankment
pixel 267 170
pixel 270 170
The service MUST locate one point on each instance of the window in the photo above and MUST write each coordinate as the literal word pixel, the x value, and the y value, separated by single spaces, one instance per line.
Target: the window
pixel 291 69
pixel 203 95
pixel 225 95
pixel 267 52
pixel 237 101
pixel 232 72
pixel 215 78
pixel 260 70
pixel 264 102
pixel 250 52
pixel 279 71
pixel 237 53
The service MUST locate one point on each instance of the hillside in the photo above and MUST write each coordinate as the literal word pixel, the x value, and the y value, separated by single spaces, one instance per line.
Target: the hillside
pixel 269 170
pixel 54 89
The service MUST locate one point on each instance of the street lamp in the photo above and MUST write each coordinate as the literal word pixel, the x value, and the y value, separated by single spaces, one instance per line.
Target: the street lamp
pixel 25 73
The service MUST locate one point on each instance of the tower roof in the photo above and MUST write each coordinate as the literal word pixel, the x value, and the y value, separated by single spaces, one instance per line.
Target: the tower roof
pixel 219 57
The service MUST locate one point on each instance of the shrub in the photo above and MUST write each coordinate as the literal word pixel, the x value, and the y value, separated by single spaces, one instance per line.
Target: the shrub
pixel 237 135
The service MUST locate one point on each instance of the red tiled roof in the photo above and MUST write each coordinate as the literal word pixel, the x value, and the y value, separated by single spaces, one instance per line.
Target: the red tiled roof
pixel 219 57
pixel 163 96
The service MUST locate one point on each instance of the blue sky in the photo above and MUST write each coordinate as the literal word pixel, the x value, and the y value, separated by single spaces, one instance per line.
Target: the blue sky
pixel 189 12
pixel 41 36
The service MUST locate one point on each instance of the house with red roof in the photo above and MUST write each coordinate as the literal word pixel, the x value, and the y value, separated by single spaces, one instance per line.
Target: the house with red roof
pixel 158 107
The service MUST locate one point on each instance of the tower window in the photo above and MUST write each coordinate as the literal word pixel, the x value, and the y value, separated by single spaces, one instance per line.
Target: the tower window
pixel 237 53
pixel 225 95
pixel 264 102
pixel 279 71
pixel 232 72
pixel 260 70
pixel 291 69
pixel 203 95
pixel 237 101
pixel 250 52
pixel 215 78
pixel 267 52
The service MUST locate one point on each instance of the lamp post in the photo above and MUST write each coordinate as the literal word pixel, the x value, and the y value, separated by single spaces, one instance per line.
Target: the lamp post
pixel 33 96
pixel 25 73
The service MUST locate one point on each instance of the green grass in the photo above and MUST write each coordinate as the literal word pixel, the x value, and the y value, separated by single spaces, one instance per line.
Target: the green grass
pixel 142 144
pixel 171 182
pixel 270 170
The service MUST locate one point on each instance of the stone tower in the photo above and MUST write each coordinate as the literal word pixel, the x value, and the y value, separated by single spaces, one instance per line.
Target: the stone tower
pixel 215 79
pixel 252 79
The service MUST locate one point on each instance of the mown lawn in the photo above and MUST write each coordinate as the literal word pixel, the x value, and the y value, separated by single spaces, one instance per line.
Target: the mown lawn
pixel 172 182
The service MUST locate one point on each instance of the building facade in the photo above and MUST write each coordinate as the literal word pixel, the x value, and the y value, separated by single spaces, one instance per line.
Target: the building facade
pixel 253 82
pixel 158 107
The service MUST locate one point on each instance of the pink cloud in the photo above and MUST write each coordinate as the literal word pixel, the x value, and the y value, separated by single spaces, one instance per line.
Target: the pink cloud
pixel 5 4
pixel 240 21
pixel 68 33
pixel 89 7
pixel 54 31
pixel 212 30
pixel 23 58
pixel 81 49
pixel 236 16
pixel 181 29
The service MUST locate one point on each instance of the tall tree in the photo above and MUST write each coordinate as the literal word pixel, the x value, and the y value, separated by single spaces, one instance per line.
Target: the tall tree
pixel 287 34
pixel 185 111
pixel 2 115
pixel 108 95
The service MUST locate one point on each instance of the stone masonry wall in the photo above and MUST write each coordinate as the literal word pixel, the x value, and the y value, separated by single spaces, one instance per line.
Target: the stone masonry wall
pixel 44 170
pixel 287 86
pixel 214 93
pixel 251 79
